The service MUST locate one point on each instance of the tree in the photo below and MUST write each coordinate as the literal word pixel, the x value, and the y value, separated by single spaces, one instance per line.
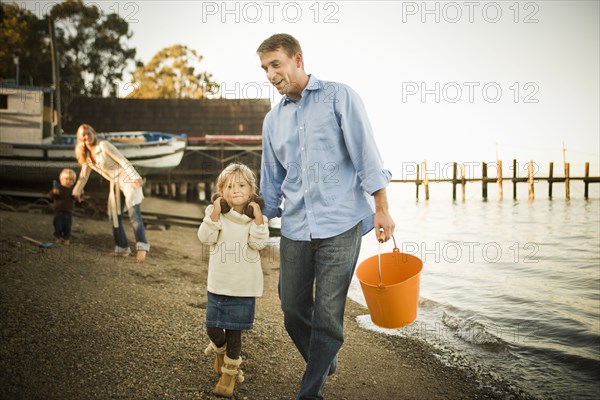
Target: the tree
pixel 92 46
pixel 171 74
pixel 22 35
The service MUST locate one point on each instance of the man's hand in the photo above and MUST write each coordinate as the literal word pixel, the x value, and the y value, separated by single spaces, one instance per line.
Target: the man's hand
pixel 384 224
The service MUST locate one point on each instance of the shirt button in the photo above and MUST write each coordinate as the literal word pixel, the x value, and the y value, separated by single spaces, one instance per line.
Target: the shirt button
pixel 301 127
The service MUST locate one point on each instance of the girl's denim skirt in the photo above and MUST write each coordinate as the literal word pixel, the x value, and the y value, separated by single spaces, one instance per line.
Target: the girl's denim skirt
pixel 230 312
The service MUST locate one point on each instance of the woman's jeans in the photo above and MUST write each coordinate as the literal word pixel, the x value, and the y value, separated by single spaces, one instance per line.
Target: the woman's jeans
pixel 315 319
pixel 139 230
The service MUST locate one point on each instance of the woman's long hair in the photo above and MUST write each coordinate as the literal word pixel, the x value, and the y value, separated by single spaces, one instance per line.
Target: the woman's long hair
pixel 82 153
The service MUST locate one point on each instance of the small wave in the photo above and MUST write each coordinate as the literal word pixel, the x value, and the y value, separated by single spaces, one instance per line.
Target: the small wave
pixel 428 303
pixel 473 332
pixel 447 354
pixel 581 364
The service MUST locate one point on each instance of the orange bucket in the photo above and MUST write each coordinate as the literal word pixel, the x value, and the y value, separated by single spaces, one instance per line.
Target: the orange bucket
pixel 390 283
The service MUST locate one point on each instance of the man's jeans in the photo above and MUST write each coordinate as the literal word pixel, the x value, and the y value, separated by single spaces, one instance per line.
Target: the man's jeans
pixel 135 216
pixel 315 320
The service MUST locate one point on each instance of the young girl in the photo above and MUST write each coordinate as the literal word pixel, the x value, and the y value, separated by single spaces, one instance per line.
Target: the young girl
pixel 104 158
pixel 234 270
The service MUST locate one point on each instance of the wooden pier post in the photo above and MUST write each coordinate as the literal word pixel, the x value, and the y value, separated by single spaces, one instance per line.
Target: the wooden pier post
pixel 417 181
pixel 182 191
pixel 194 193
pixel 463 181
pixel 484 178
pixel 567 186
pixel 530 173
pixel 426 180
pixel 586 180
pixel 208 190
pixel 550 178
pixel 528 177
pixel 454 180
pixel 500 190
pixel 198 192
pixel 514 179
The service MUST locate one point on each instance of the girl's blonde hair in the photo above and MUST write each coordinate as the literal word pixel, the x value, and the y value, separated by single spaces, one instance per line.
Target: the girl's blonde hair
pixel 82 153
pixel 236 168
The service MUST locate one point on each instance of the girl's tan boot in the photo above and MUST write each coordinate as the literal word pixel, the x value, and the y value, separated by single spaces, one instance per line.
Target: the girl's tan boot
pixel 231 373
pixel 219 354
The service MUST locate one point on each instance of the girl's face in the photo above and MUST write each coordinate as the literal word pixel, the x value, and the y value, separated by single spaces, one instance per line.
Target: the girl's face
pixel 237 191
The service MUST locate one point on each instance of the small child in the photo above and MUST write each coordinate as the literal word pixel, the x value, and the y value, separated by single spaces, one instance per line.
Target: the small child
pixel 234 269
pixel 62 196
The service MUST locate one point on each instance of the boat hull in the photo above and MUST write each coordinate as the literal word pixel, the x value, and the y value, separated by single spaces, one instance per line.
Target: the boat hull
pixel 156 155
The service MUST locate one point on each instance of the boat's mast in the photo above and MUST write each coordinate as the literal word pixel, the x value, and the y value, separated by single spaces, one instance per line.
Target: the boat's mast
pixel 56 80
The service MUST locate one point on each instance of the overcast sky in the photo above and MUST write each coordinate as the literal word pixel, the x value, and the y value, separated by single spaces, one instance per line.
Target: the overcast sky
pixel 443 81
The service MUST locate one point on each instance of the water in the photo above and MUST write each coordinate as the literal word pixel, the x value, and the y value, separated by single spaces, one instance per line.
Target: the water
pixel 509 288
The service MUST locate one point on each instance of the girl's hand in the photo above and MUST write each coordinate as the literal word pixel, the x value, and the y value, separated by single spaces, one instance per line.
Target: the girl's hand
pixel 216 209
pixel 258 217
pixel 137 183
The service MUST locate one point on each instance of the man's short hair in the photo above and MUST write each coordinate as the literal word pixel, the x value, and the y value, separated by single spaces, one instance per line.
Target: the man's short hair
pixel 286 42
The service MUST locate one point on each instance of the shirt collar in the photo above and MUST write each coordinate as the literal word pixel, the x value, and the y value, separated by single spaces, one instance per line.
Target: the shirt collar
pixel 313 84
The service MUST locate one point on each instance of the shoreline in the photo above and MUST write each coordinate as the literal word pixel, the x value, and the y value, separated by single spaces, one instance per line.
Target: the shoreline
pixel 78 324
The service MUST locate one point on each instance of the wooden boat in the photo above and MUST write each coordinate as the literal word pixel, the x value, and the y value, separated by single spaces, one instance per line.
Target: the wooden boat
pixel 30 153
pixel 151 153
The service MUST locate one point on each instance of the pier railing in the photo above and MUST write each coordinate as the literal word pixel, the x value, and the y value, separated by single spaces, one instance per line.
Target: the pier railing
pixel 422 179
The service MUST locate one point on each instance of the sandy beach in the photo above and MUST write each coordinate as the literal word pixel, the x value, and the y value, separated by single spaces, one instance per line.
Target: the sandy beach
pixel 77 324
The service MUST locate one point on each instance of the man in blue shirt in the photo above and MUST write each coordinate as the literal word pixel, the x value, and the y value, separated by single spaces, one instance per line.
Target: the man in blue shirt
pixel 323 175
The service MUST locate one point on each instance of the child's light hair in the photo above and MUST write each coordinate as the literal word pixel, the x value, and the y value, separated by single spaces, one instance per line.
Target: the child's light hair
pixel 68 173
pixel 236 168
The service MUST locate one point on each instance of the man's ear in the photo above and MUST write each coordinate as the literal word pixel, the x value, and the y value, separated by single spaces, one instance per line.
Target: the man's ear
pixel 299 60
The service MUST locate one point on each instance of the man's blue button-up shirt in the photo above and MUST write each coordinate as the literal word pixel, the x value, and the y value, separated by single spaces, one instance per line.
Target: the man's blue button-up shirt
pixel 320 163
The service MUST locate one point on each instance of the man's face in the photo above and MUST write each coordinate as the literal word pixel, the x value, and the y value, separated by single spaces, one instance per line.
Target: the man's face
pixel 283 71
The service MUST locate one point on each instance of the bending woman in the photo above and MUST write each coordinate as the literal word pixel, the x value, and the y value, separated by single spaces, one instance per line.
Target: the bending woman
pixel 104 158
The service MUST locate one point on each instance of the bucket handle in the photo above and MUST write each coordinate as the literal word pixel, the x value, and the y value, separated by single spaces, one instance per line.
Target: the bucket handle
pixel 381 238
